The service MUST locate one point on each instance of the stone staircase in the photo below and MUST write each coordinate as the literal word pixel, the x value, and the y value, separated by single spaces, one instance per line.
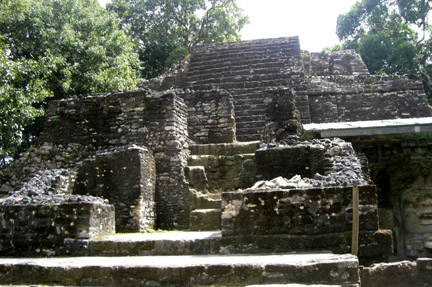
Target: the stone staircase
pixel 179 259
pixel 246 71
pixel 213 168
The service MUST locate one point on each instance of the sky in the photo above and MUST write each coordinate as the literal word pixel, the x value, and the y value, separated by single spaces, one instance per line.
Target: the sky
pixel 314 21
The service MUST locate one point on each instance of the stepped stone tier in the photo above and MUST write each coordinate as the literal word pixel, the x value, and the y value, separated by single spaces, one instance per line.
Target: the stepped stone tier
pixel 236 142
pixel 328 87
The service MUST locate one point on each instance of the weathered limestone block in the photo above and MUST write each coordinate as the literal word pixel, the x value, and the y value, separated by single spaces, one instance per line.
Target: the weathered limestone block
pixel 346 62
pixel 363 98
pixel 211 116
pixel 205 219
pixel 283 118
pixel 205 201
pixel 297 211
pixel 127 178
pixel 43 228
pixel 329 162
pixel 196 176
pixel 403 273
pixel 223 172
pixel 289 160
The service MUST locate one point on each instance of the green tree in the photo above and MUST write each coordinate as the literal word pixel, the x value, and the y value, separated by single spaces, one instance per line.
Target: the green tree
pixel 392 36
pixel 166 30
pixel 22 94
pixel 96 55
pixel 56 48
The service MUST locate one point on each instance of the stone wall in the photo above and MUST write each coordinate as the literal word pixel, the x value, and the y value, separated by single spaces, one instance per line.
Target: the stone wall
pixel 283 117
pixel 362 98
pixel 44 228
pixel 309 211
pixel 346 62
pixel 329 162
pixel 401 167
pixel 134 118
pixel 329 87
pixel 139 117
pixel 403 273
pixel 211 116
pixel 78 127
pixel 127 178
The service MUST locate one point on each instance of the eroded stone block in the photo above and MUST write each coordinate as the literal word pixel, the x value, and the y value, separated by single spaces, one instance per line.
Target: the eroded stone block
pixel 205 219
pixel 126 177
pixel 297 211
pixel 42 228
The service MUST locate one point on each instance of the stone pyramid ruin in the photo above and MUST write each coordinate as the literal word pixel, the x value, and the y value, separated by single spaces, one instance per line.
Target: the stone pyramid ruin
pixel 235 168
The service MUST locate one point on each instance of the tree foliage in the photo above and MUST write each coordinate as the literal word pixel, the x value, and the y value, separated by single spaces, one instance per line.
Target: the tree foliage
pixel 56 48
pixel 392 36
pixel 96 55
pixel 166 30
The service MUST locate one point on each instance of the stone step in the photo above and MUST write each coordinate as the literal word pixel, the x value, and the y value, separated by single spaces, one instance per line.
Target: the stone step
pixel 251 106
pixel 251 118
pixel 240 103
pixel 204 160
pixel 248 137
pixel 241 82
pixel 244 113
pixel 249 44
pixel 236 52
pixel 238 48
pixel 250 97
pixel 233 87
pixel 246 63
pixel 158 243
pixel 255 57
pixel 250 130
pixel 212 242
pixel 197 72
pixel 224 148
pixel 244 91
pixel 250 125
pixel 236 65
pixel 217 270
pixel 205 219
pixel 205 201
pixel 250 112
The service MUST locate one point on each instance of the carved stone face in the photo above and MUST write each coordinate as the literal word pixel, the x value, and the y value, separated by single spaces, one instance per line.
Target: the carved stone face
pixel 416 206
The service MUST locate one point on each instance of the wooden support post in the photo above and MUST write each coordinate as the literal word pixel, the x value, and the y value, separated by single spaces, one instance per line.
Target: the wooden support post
pixel 355 221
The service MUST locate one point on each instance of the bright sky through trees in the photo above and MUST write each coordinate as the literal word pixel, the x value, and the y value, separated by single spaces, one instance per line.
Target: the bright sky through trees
pixel 313 20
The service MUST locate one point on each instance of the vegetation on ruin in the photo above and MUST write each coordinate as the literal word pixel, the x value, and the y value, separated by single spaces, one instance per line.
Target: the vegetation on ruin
pixel 392 36
pixel 165 31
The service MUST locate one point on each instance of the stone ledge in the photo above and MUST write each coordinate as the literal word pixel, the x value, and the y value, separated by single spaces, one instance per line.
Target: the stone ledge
pixel 403 273
pixel 227 270
pixel 373 245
